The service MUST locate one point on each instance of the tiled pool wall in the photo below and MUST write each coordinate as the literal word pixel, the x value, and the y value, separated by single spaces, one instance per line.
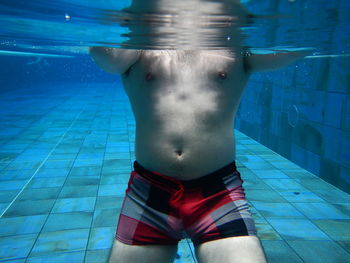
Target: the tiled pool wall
pixel 302 112
pixel 290 112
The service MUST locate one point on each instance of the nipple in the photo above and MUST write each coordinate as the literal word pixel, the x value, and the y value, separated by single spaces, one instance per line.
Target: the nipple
pixel 222 75
pixel 149 76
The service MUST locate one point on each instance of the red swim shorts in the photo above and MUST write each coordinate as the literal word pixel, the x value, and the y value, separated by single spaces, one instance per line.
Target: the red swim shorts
pixel 161 210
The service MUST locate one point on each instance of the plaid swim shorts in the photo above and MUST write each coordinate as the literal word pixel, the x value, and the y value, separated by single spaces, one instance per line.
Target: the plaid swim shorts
pixel 161 210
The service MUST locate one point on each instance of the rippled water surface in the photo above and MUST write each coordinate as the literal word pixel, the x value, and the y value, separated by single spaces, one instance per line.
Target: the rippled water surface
pixel 67 28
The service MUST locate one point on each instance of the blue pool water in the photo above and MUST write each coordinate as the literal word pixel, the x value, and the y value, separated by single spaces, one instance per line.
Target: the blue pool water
pixel 67 133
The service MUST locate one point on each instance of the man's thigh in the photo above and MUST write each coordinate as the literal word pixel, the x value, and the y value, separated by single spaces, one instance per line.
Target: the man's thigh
pixel 242 249
pixel 122 253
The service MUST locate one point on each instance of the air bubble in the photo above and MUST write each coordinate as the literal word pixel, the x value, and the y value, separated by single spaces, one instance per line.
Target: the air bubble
pixel 67 17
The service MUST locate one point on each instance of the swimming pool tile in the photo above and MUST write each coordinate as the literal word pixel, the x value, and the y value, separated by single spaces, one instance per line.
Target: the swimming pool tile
pixel 240 149
pixel 244 140
pixel 106 217
pixel 321 211
pixel 8 196
pixel 344 244
pixel 12 185
pixel 58 164
pixel 46 182
pixel 7 156
pixel 65 221
pixel 332 195
pixel 190 245
pixel 17 174
pixel 3 207
pixel 257 164
pixel 270 174
pixel 284 184
pixel 94 256
pixel 113 149
pixel 184 254
pixel 52 172
pixel 82 180
pixel 283 164
pixel 256 149
pixel 83 204
pixel 96 149
pixel 117 155
pixel 90 156
pixel 93 144
pixel 320 251
pixel 85 171
pixel 255 213
pixel 39 194
pixel 281 210
pixel 101 238
pixel 76 257
pixel 300 173
pixel 66 149
pixel 265 230
pixel 107 202
pixel 263 196
pixel 247 173
pixel 336 229
pixel 118 137
pixel 278 251
pixel 12 247
pixel 60 241
pixel 125 172
pixel 16 261
pixel 117 164
pixel 78 191
pixel 29 208
pixel 88 163
pixel 21 225
pixel 256 184
pixel 113 189
pixel 115 178
pixel 300 196
pixel 315 184
pixel 62 156
pixel 23 165
pixel 297 229
pixel 343 207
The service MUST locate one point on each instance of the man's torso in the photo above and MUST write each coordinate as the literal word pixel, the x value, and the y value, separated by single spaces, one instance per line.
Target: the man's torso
pixel 184 104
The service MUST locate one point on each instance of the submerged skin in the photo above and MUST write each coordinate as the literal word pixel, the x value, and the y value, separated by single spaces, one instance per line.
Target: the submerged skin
pixel 185 102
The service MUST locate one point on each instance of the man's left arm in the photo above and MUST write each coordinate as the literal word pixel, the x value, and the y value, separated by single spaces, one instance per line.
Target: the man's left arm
pixel 267 62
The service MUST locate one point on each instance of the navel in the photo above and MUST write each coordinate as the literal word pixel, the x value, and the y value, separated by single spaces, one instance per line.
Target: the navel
pixel 179 153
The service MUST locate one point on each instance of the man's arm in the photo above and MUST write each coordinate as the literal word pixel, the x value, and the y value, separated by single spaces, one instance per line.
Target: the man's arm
pixel 266 62
pixel 114 60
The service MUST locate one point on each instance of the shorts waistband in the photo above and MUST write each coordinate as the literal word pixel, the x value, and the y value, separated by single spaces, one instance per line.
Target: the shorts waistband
pixel 204 180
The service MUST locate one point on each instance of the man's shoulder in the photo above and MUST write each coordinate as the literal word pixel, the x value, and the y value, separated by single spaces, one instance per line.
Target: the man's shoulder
pixel 114 60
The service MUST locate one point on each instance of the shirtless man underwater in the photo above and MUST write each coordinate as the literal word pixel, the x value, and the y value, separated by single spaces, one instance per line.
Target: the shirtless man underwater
pixel 185 182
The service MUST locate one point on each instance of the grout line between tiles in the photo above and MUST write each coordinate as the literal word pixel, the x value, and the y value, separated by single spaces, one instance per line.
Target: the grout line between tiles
pixel 42 163
pixel 98 188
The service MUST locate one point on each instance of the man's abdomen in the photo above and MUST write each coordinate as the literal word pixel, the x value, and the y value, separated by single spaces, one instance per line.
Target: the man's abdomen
pixel 185 156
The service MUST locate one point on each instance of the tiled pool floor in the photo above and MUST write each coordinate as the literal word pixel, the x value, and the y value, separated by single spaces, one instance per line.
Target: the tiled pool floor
pixel 65 157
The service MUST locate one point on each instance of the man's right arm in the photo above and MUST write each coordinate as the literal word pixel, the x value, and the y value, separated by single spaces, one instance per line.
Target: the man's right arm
pixel 114 60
